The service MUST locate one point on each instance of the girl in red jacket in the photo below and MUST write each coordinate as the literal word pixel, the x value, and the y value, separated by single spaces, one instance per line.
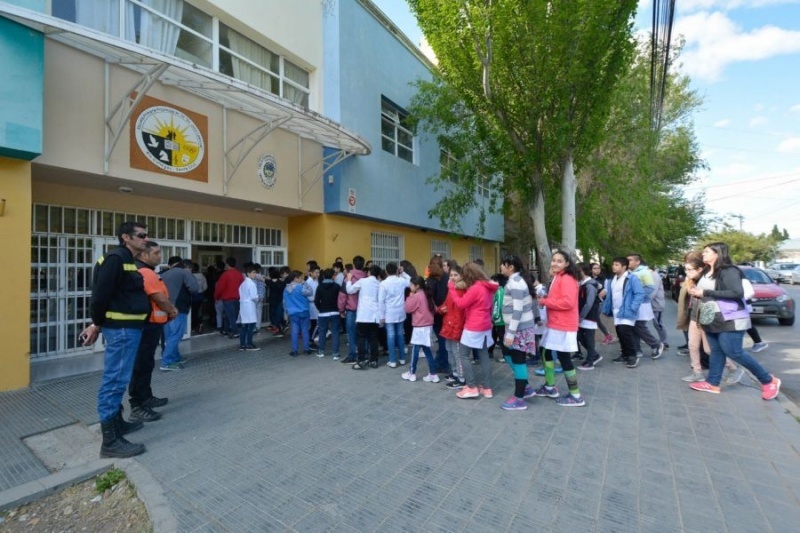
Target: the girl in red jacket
pixel 477 306
pixel 561 337
pixel 420 306
pixel 452 328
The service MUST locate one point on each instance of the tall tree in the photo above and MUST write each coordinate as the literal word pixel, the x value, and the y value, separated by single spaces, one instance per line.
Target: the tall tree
pixel 532 79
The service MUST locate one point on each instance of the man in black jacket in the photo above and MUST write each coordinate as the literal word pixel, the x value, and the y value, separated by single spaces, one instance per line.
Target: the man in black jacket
pixel 119 307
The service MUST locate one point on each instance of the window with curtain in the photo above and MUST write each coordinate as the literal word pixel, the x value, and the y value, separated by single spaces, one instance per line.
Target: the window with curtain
pixel 246 60
pixel 157 28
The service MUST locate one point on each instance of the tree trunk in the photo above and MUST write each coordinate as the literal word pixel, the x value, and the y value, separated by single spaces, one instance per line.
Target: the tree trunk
pixel 569 188
pixel 543 254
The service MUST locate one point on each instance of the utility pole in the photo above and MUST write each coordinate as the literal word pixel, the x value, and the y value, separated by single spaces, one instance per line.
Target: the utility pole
pixel 741 220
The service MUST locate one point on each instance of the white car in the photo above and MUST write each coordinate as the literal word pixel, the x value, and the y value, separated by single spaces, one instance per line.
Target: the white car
pixel 795 275
pixel 785 270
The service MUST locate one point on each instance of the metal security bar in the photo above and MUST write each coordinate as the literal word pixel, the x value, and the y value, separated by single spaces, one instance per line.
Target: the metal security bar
pixel 386 247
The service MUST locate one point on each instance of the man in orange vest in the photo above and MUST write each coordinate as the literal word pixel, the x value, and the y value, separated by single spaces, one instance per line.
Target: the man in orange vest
pixel 141 395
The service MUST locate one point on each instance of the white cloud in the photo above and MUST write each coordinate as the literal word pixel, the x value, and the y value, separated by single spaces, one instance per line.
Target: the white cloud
pixel 722 123
pixel 714 41
pixel 690 6
pixel 795 108
pixel 758 121
pixel 790 146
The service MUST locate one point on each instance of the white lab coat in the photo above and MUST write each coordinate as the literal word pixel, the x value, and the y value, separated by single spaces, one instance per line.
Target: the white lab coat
pixel 248 297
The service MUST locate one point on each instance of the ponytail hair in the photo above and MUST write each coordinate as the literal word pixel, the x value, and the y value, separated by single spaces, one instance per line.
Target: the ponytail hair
pixel 419 281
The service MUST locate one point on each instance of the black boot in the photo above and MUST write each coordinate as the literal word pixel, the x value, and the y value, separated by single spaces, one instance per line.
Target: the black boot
pixel 127 427
pixel 114 444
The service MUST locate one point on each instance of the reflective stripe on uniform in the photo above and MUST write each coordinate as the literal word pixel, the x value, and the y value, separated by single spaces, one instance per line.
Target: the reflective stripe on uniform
pixel 113 315
pixel 129 267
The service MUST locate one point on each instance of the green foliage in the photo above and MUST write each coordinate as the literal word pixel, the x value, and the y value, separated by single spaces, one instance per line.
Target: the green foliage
pixel 778 235
pixel 744 246
pixel 105 481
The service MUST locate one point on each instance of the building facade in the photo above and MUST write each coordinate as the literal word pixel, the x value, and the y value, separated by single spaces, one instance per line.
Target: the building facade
pixel 202 119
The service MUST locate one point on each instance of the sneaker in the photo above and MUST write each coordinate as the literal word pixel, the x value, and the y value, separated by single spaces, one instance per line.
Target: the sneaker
pixel 759 347
pixel 529 392
pixel 468 392
pixel 408 376
pixel 293 354
pixel 401 362
pixel 487 393
pixel 608 340
pixel 639 355
pixel 145 414
pixel 577 356
pixel 586 365
pixel 154 402
pixel 658 351
pixel 694 377
pixel 599 358
pixel 450 378
pixel 279 334
pixel 252 348
pixel 544 391
pixel 171 367
pixel 514 404
pixel 242 348
pixel 391 364
pixel 308 352
pixel 335 357
pixel 320 354
pixel 770 390
pixel 683 347
pixel 540 371
pixel 705 386
pixel 233 336
pixel 683 352
pixel 568 400
pixel 734 376
pixel 620 359
pixel 431 378
pixel 347 360
pixel 456 385
pixel 633 362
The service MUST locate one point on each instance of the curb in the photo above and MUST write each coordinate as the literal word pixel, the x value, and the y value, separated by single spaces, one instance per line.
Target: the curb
pixel 147 489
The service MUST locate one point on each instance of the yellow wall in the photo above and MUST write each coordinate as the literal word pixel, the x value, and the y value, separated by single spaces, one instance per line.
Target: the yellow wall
pixel 15 239
pixel 324 237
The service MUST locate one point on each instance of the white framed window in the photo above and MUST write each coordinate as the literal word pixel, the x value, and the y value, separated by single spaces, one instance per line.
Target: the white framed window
pixel 178 28
pixel 396 137
pixel 386 248
pixel 483 187
pixel 447 162
pixel 475 252
pixel 441 248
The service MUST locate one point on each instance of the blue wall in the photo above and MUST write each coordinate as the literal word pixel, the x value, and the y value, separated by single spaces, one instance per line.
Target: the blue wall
pixel 21 87
pixel 363 62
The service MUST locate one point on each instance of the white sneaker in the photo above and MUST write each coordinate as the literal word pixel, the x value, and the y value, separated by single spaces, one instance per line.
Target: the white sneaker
pixel 431 378
pixel 321 354
pixel 408 376
pixel 402 362
pixel 391 364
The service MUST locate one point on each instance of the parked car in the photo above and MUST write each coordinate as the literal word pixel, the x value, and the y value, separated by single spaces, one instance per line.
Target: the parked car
pixel 795 275
pixel 770 300
pixel 773 273
pixel 785 270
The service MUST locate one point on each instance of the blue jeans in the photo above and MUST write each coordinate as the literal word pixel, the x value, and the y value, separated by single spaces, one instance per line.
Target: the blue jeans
pixel 334 323
pixel 396 340
pixel 121 347
pixel 246 335
pixel 442 360
pixel 729 344
pixel 231 308
pixel 173 333
pixel 350 327
pixel 415 358
pixel 300 324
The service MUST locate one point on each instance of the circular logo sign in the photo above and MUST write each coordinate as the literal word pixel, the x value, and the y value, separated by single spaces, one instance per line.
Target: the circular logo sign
pixel 169 139
pixel 266 171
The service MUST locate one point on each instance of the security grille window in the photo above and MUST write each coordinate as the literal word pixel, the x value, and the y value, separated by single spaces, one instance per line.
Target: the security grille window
pixel 441 248
pixel 177 28
pixel 396 138
pixel 386 248
pixel 163 228
pixel 475 252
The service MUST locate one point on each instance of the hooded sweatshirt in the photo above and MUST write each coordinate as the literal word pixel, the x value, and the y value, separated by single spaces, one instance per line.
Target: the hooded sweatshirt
pixel 476 304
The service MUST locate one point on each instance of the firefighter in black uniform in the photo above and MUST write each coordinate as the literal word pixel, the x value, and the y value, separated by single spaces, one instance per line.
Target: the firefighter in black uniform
pixel 120 307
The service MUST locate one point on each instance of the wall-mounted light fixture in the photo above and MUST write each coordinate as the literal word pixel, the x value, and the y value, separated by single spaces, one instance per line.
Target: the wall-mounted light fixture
pixel 2 207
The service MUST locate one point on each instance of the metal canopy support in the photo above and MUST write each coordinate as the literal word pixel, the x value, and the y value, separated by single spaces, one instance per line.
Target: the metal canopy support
pixel 318 169
pixel 125 107
pixel 245 145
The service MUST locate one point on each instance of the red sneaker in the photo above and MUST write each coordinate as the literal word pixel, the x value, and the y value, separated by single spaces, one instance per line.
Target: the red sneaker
pixel 705 386
pixel 771 389
pixel 468 392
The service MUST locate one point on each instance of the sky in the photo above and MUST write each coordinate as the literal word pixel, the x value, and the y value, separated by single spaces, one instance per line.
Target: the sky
pixel 743 57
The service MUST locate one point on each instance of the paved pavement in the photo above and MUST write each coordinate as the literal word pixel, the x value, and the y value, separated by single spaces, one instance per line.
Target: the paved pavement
pixel 261 441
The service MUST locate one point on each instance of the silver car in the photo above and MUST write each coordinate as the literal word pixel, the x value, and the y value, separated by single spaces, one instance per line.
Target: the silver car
pixel 795 275
pixel 785 270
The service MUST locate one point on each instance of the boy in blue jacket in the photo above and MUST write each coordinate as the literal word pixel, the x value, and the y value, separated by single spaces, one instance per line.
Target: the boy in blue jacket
pixel 624 295
pixel 295 300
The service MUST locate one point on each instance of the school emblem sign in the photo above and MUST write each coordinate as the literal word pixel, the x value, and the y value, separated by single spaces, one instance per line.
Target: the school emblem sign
pixel 169 140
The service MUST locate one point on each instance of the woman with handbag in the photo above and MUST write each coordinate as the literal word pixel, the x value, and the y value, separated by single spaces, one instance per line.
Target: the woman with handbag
pixel 725 319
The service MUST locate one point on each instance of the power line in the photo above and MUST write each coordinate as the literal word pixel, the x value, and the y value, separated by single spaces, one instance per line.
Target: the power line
pixel 742 181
